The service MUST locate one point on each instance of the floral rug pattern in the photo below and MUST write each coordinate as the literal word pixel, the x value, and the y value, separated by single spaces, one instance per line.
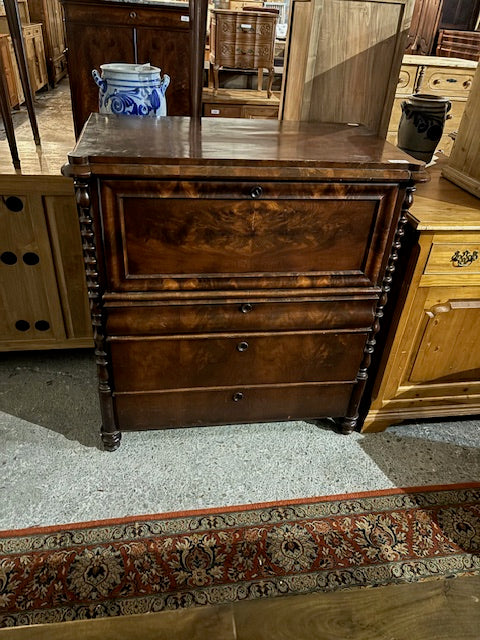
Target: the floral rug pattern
pixel 152 563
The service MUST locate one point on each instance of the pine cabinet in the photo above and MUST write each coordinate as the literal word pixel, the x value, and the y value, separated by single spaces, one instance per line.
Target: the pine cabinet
pixel 43 297
pixel 431 364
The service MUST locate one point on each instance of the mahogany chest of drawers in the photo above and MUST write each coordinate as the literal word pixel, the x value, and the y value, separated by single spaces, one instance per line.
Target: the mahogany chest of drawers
pixel 237 269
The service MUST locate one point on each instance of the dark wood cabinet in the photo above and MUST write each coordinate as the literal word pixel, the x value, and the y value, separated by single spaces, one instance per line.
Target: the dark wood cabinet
pixel 237 269
pixel 424 26
pixel 99 31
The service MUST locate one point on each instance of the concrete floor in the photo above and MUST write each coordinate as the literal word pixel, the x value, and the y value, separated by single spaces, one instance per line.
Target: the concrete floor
pixel 54 471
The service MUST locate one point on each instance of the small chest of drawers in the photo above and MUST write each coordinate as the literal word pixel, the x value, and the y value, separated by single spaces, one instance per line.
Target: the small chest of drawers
pixel 243 40
pixel 237 269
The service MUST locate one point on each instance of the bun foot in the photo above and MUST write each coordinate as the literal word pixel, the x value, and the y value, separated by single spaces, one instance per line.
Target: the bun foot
pixel 111 440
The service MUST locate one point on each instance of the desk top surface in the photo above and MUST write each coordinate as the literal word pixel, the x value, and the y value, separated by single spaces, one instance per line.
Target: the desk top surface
pixel 180 142
pixel 440 205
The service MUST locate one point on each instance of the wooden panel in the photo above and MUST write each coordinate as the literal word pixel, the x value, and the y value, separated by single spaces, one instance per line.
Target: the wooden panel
pixel 182 236
pixel 35 54
pixel 50 14
pixel 247 314
pixel 198 407
pixel 222 111
pixel 459 44
pixel 27 273
pixel 448 82
pixel 464 165
pixel 224 360
pixel 347 72
pixel 67 253
pixel 10 70
pixel 449 349
pixel 425 20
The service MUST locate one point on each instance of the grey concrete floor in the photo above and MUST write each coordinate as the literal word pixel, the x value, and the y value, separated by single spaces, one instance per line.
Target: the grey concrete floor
pixel 54 471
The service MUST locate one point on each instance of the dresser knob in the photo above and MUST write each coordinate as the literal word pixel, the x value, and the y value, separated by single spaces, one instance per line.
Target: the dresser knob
pixel 242 346
pixel 246 308
pixel 256 192
pixel 237 396
pixel 132 15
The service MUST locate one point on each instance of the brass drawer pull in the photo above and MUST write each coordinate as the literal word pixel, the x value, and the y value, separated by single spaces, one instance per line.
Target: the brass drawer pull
pixel 256 192
pixel 465 258
pixel 246 307
pixel 242 346
pixel 237 396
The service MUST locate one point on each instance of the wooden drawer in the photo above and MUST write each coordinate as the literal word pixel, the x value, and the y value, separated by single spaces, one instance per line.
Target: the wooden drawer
pixel 406 79
pixel 247 314
pixel 222 111
pixel 252 111
pixel 199 407
pixel 459 258
pixel 309 233
pixel 447 82
pixel 212 360
pixel 170 17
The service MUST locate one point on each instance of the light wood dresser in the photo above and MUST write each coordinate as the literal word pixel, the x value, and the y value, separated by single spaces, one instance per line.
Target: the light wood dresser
pixel 449 77
pixel 431 364
pixel 237 268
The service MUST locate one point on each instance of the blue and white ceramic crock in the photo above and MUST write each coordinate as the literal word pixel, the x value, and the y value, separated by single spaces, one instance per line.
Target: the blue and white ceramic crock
pixel 131 89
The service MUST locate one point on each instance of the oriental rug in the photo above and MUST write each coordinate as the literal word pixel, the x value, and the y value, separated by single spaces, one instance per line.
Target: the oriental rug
pixel 151 563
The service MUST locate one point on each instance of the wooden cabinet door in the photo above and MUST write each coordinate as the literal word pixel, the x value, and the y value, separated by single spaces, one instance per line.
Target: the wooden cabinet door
pixel 448 349
pixel 30 308
pixel 35 54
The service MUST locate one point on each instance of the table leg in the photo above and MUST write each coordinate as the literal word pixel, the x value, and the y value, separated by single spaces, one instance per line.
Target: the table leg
pixel 14 25
pixel 7 119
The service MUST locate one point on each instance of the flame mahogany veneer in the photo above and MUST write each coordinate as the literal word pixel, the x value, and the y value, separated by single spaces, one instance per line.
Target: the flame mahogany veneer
pixel 237 269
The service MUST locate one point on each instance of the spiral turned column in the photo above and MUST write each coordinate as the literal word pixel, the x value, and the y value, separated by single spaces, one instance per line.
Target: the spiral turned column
pixel 110 434
pixel 348 424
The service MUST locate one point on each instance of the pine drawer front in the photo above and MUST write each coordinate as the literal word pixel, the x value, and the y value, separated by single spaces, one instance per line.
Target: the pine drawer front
pixel 406 79
pixel 198 407
pixel 175 235
pixel 460 259
pixel 211 360
pixel 250 313
pixel 447 82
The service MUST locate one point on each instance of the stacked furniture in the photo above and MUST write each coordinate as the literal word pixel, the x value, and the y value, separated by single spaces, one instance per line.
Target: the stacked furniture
pixel 450 77
pixel 50 14
pixel 34 54
pixel 237 269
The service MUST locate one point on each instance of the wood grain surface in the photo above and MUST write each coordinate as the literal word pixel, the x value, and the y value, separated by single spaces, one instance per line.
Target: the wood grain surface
pixel 442 609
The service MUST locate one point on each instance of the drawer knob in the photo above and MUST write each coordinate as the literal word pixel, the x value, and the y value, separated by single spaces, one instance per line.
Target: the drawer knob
pixel 133 15
pixel 464 258
pixel 246 307
pixel 467 84
pixel 256 192
pixel 242 346
pixel 237 396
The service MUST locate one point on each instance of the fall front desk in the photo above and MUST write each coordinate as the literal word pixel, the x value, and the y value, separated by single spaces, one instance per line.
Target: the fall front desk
pixel 237 269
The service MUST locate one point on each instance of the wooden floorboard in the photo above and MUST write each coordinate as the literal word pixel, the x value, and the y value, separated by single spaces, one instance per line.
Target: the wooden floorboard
pixel 446 609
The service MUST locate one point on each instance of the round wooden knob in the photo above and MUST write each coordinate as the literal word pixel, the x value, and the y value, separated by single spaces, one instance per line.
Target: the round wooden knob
pixel 237 396
pixel 246 308
pixel 242 346
pixel 256 192
pixel 132 15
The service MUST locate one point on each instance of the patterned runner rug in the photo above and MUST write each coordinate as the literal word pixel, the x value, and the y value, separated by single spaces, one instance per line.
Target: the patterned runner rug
pixel 155 562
